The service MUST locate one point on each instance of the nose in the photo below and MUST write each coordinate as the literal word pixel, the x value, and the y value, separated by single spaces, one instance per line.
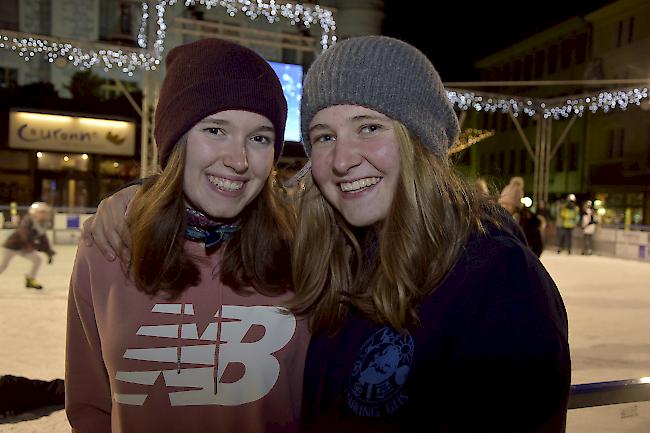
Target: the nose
pixel 346 156
pixel 236 158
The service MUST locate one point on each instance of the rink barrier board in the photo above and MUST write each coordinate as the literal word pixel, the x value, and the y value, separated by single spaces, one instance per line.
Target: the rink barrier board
pixel 594 394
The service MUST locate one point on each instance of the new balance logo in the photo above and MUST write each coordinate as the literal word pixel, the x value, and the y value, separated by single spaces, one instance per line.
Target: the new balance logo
pixel 261 368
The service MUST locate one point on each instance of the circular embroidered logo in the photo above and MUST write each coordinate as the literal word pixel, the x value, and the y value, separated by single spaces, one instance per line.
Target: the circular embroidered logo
pixel 381 369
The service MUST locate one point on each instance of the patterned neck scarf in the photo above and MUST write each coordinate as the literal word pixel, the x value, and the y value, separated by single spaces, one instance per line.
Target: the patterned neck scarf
pixel 202 228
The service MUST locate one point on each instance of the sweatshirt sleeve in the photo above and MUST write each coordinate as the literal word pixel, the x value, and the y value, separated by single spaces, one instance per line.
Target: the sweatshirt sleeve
pixel 512 362
pixel 87 388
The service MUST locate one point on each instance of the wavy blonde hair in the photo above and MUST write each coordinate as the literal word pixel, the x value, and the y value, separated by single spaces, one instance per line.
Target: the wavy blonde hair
pixel 385 271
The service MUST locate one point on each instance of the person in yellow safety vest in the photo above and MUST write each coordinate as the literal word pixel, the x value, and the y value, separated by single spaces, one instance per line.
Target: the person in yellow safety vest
pixel 569 214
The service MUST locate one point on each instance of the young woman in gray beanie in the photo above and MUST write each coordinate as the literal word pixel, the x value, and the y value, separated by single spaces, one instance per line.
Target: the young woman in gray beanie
pixel 428 311
pixel 188 337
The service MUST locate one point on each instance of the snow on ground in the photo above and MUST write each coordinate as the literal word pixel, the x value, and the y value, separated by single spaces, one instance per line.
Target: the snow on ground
pixel 608 302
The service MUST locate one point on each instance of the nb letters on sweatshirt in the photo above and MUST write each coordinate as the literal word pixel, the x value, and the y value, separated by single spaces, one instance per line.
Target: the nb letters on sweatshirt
pixel 222 343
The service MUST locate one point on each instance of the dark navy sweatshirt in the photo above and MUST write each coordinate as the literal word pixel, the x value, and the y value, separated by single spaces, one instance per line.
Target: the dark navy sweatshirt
pixel 490 354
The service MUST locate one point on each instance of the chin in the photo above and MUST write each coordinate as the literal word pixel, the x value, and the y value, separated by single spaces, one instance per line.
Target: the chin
pixel 361 221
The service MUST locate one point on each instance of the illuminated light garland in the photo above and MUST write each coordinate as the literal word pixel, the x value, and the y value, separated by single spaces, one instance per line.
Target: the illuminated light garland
pixel 125 61
pixel 295 12
pixel 469 137
pixel 142 40
pixel 557 108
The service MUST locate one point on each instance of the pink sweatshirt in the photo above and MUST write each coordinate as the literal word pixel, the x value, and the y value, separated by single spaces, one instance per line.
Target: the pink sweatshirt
pixel 211 361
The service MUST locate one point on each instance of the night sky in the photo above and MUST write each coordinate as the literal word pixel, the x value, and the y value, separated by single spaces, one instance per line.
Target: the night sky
pixel 456 33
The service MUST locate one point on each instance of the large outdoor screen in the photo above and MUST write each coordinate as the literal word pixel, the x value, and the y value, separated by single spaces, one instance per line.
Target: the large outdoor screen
pixel 291 79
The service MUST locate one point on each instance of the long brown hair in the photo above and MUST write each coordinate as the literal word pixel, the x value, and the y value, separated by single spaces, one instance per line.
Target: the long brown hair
pixel 257 255
pixel 385 271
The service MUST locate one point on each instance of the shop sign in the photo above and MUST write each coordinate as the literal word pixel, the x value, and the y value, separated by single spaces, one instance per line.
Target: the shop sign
pixel 50 132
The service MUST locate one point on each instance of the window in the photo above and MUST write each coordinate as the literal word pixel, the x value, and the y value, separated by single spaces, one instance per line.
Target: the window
pixel 505 72
pixel 616 143
pixel 502 161
pixel 573 156
pixel 552 59
pixel 539 64
pixel 9 15
pixel 8 77
pixel 516 70
pixel 528 67
pixel 648 143
pixel 125 19
pixel 566 53
pixel 619 34
pixel 630 30
pixel 523 160
pixel 511 162
pixel 581 48
pixel 559 159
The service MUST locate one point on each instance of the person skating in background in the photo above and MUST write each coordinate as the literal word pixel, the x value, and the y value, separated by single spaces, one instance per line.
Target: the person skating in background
pixel 510 200
pixel 29 238
pixel 531 224
pixel 511 196
pixel 588 223
pixel 569 216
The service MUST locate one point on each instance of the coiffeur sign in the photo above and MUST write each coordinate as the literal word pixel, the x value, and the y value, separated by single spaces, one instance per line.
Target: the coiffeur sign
pixel 55 132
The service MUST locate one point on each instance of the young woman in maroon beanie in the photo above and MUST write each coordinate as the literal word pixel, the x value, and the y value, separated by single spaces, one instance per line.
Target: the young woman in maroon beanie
pixel 188 337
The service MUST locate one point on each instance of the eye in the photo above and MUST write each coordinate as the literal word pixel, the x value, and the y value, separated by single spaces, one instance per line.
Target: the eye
pixel 323 138
pixel 369 129
pixel 262 139
pixel 214 130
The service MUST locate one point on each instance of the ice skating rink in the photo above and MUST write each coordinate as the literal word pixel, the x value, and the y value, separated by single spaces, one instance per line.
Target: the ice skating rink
pixel 608 302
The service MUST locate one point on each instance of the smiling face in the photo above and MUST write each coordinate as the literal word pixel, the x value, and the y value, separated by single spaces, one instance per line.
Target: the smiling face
pixel 228 159
pixel 355 161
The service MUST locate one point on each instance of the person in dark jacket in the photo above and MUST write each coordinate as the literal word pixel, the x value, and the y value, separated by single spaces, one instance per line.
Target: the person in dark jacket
pixel 428 310
pixel 532 227
pixel 29 238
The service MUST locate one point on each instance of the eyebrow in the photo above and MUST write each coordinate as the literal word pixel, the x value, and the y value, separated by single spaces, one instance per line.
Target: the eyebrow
pixel 318 126
pixel 369 117
pixel 222 122
pixel 215 121
pixel 361 117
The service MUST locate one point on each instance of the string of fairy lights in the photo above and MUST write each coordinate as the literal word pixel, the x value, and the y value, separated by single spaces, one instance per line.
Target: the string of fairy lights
pixel 306 14
pixel 557 108
pixel 81 55
pixel 86 55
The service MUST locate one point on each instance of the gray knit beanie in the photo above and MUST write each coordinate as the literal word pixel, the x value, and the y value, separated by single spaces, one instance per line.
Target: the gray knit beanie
pixel 386 75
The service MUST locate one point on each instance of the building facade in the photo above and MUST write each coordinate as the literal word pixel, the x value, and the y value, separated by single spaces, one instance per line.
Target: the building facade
pixel 602 156
pixel 81 175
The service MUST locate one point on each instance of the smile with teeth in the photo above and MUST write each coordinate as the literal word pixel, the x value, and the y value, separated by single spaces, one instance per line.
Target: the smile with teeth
pixel 359 185
pixel 225 184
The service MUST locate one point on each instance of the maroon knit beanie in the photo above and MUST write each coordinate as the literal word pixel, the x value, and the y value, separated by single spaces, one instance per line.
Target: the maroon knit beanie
pixel 213 75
